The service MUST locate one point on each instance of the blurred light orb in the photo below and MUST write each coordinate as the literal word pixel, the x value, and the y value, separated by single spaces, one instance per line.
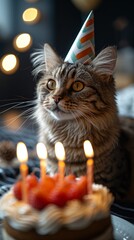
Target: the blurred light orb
pixel 86 5
pixel 31 15
pixel 22 42
pixel 9 64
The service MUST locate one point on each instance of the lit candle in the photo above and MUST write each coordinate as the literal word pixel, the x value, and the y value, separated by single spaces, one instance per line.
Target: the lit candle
pixel 90 163
pixel 42 154
pixel 60 154
pixel 22 156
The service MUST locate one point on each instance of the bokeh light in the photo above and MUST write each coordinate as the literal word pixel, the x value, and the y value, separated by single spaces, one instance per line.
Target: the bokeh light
pixel 9 64
pixel 31 15
pixel 86 5
pixel 22 42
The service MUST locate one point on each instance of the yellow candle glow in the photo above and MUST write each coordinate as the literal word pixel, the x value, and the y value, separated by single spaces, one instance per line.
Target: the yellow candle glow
pixel 90 164
pixel 60 154
pixel 42 154
pixel 22 156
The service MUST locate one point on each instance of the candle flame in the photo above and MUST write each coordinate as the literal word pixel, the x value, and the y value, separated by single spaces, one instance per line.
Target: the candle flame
pixel 88 149
pixel 41 151
pixel 59 151
pixel 21 152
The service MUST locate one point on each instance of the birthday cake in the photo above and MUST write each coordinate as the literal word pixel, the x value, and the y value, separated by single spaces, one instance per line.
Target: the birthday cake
pixel 56 211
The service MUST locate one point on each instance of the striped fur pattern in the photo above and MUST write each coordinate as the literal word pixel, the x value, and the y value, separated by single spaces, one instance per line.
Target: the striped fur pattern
pixel 76 102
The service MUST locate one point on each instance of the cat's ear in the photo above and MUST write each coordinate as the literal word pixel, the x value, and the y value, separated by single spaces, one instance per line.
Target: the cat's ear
pixel 104 63
pixel 52 60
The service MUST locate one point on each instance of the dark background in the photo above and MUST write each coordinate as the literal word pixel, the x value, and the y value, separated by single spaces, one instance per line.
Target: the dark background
pixel 59 26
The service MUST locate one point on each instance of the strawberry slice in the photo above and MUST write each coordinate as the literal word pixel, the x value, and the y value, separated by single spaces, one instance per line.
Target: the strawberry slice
pixel 82 185
pixel 70 178
pixel 31 181
pixel 77 190
pixel 37 198
pixel 17 190
pixel 73 193
pixel 58 197
pixel 48 184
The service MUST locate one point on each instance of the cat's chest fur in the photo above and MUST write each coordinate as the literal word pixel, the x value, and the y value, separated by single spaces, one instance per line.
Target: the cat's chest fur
pixel 113 164
pixel 110 162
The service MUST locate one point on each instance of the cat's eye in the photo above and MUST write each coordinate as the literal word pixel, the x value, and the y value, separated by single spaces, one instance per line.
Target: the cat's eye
pixel 51 85
pixel 77 86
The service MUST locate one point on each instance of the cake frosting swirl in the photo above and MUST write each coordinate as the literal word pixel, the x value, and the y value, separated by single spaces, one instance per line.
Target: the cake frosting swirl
pixel 75 214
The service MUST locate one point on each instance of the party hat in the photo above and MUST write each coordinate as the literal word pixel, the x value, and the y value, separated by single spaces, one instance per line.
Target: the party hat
pixel 83 47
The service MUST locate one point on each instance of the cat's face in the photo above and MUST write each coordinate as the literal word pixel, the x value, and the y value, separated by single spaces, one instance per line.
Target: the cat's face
pixel 69 91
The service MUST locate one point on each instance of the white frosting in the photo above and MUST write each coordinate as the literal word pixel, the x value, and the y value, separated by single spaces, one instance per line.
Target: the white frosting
pixel 75 214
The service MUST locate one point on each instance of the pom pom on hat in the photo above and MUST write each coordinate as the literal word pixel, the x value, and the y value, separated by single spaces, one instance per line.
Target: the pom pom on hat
pixel 7 150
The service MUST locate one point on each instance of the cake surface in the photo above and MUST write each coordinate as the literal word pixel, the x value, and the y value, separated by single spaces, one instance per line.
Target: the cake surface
pixel 86 219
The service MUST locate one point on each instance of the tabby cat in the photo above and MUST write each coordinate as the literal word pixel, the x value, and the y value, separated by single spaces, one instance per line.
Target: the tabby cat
pixel 76 102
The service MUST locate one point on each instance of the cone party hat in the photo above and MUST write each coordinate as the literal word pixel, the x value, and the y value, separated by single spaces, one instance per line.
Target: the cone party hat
pixel 83 47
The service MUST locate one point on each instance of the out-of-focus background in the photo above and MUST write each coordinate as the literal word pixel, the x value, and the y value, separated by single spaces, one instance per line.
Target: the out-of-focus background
pixel 25 25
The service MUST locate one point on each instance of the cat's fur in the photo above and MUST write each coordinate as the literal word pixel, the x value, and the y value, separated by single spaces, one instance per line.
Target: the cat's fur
pixel 73 117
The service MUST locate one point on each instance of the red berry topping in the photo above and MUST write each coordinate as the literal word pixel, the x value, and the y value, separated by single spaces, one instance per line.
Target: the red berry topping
pixel 31 181
pixel 58 197
pixel 51 190
pixel 70 178
pixel 82 185
pixel 37 198
pixel 48 184
pixel 17 190
pixel 77 190
pixel 73 193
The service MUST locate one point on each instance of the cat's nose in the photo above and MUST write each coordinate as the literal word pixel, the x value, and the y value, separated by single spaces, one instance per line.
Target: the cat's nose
pixel 57 98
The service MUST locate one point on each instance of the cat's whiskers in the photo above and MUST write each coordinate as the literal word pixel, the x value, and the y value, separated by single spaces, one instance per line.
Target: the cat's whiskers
pixel 17 105
pixel 24 122
pixel 10 108
pixel 28 113
pixel 12 120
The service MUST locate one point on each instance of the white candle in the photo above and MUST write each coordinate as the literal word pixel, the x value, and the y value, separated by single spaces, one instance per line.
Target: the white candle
pixel 90 164
pixel 60 154
pixel 22 156
pixel 42 154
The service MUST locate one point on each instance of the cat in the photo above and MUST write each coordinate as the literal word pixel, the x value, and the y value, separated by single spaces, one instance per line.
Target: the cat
pixel 76 102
